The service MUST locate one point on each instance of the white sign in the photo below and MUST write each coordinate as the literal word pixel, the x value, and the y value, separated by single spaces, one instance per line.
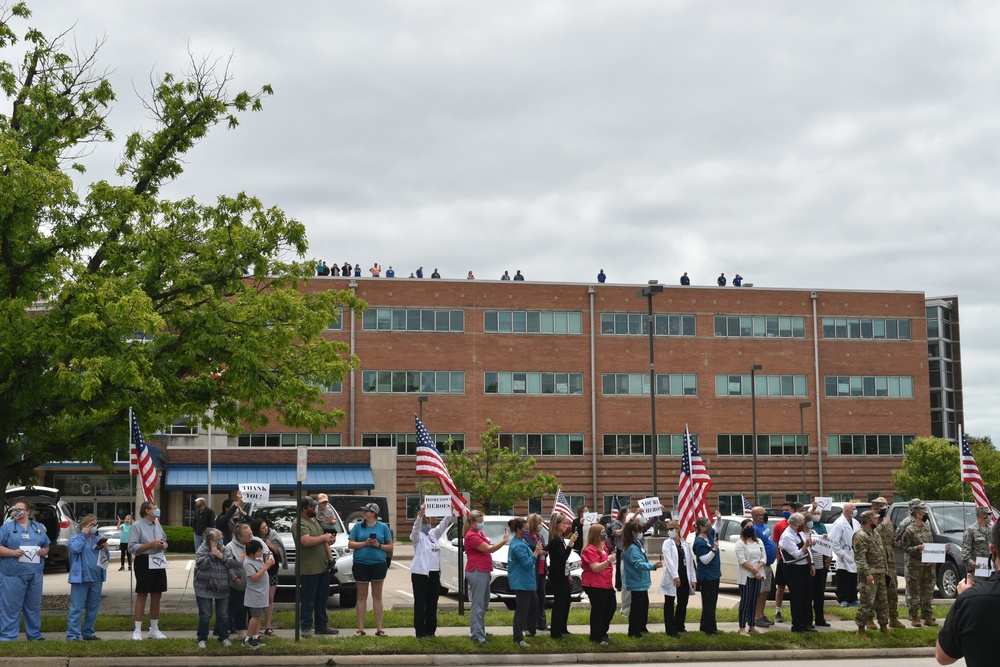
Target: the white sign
pixel 30 555
pixel 650 507
pixel 824 503
pixel 985 568
pixel 301 460
pixel 590 518
pixel 437 506
pixel 823 544
pixel 103 559
pixel 158 562
pixel 933 553
pixel 255 493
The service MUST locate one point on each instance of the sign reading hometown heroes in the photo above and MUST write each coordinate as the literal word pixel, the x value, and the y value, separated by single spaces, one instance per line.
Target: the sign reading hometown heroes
pixel 650 507
pixel 437 506
pixel 255 493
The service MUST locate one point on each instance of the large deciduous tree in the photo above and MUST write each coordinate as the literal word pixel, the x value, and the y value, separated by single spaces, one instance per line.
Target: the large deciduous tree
pixel 495 476
pixel 930 470
pixel 112 296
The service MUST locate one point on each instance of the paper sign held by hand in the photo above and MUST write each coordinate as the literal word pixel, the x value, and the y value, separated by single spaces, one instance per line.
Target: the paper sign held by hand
pixel 30 555
pixel 985 568
pixel 437 506
pixel 255 493
pixel 824 503
pixel 650 507
pixel 932 553
pixel 103 559
pixel 158 562
pixel 823 544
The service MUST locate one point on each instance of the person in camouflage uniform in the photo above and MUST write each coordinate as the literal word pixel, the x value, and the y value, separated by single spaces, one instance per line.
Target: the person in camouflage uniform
pixel 899 536
pixel 869 556
pixel 919 575
pixel 887 535
pixel 976 540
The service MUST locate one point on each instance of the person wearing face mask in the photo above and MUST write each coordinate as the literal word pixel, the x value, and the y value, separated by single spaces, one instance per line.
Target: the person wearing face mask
pixel 751 560
pixel 886 533
pixel 86 580
pixel 779 567
pixel 478 568
pixel 425 572
pixel 21 581
pixel 919 575
pixel 794 545
pixel 147 541
pixel 679 579
pixel 842 537
pixel 706 550
pixel 821 565
pixel 314 566
pixel 869 555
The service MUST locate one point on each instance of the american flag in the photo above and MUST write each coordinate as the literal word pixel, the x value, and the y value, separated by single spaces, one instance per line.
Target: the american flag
pixel 970 472
pixel 747 508
pixel 561 505
pixel 140 462
pixel 694 483
pixel 429 462
pixel 615 506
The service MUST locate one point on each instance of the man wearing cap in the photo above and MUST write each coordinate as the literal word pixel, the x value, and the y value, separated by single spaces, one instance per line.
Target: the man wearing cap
pixel 976 540
pixel 885 532
pixel 842 536
pixel 371 541
pixel 869 558
pixel 314 567
pixel 899 535
pixel 204 518
pixel 325 514
pixel 969 630
pixel 919 575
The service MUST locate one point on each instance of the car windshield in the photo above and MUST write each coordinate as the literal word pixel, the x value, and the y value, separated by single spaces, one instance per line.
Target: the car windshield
pixel 954 519
pixel 280 517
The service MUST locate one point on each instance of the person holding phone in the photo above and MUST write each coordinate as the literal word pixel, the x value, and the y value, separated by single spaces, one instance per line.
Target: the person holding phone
pixel 478 568
pixel 371 541
pixel 86 580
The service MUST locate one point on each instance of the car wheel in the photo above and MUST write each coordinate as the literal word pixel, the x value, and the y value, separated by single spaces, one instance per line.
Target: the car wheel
pixel 349 599
pixel 947 580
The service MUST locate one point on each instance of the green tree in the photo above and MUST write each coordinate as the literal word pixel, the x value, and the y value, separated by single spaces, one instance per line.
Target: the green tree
pixel 930 470
pixel 496 477
pixel 114 297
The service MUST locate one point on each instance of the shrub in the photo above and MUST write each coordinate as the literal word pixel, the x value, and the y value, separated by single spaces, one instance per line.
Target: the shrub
pixel 180 538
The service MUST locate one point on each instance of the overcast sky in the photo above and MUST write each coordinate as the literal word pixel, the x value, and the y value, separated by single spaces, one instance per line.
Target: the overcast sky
pixel 802 144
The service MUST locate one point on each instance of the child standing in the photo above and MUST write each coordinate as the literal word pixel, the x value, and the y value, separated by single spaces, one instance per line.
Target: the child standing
pixel 255 568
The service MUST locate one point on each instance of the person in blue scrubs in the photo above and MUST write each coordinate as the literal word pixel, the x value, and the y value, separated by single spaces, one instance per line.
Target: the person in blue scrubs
pixel 86 579
pixel 21 581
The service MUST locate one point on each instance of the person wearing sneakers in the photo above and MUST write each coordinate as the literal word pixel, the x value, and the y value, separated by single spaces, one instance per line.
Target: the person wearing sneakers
pixel 887 534
pixel 86 578
pixel 371 541
pixel 919 575
pixel 148 542
pixel 255 565
pixel 869 558
pixel 314 566
pixel 211 584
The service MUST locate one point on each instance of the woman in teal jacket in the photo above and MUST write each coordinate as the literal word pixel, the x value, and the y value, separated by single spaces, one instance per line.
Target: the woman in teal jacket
pixel 636 568
pixel 522 563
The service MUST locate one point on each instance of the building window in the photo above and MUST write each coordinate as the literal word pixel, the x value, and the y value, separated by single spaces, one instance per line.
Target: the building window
pixel 866 328
pixel 289 440
pixel 853 444
pixel 731 503
pixel 406 443
pixel 412 507
pixel 624 500
pixel 332 388
pixel 532 321
pixel 759 326
pixel 426 320
pixel 766 385
pixel 406 382
pixel 638 444
pixel 544 444
pixel 779 444
pixel 520 382
pixel 842 497
pixel 635 324
pixel 337 325
pixel 868 386
pixel 636 384
pixel 184 426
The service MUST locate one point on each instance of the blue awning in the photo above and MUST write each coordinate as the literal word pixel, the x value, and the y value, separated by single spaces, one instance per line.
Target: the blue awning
pixel 280 477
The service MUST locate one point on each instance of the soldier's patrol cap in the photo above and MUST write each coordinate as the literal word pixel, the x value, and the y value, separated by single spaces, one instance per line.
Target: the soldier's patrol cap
pixel 879 503
pixel 913 503
pixel 867 516
pixel 982 510
pixel 921 508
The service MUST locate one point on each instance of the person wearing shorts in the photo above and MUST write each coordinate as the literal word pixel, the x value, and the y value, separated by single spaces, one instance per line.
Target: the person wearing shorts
pixel 147 542
pixel 371 541
pixel 255 567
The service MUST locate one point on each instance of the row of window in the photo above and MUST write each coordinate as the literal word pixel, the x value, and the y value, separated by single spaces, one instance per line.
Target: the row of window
pixel 615 444
pixel 532 321
pixel 868 386
pixel 866 328
pixel 414 319
pixel 759 326
pixel 636 324
pixel 499 382
pixel 764 385
pixel 633 384
pixel 407 382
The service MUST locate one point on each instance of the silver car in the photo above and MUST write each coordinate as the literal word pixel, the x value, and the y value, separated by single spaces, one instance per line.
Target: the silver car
pixel 55 514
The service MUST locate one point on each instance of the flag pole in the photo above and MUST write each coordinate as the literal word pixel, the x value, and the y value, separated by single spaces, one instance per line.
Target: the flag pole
pixel 133 492
pixel 961 472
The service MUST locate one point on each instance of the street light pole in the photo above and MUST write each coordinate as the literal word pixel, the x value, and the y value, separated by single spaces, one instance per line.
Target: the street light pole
pixel 802 439
pixel 420 404
pixel 753 417
pixel 648 291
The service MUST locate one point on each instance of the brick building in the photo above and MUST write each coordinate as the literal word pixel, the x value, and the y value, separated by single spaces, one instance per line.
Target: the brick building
pixel 563 368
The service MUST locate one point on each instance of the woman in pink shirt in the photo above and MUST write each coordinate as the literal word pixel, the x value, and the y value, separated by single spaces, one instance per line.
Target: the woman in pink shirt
pixel 478 569
pixel 598 583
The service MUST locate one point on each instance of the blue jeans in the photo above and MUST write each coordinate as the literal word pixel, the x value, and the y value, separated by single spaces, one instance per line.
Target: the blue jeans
pixel 84 601
pixel 198 541
pixel 22 594
pixel 315 594
pixel 479 598
pixel 205 616
pixel 237 611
